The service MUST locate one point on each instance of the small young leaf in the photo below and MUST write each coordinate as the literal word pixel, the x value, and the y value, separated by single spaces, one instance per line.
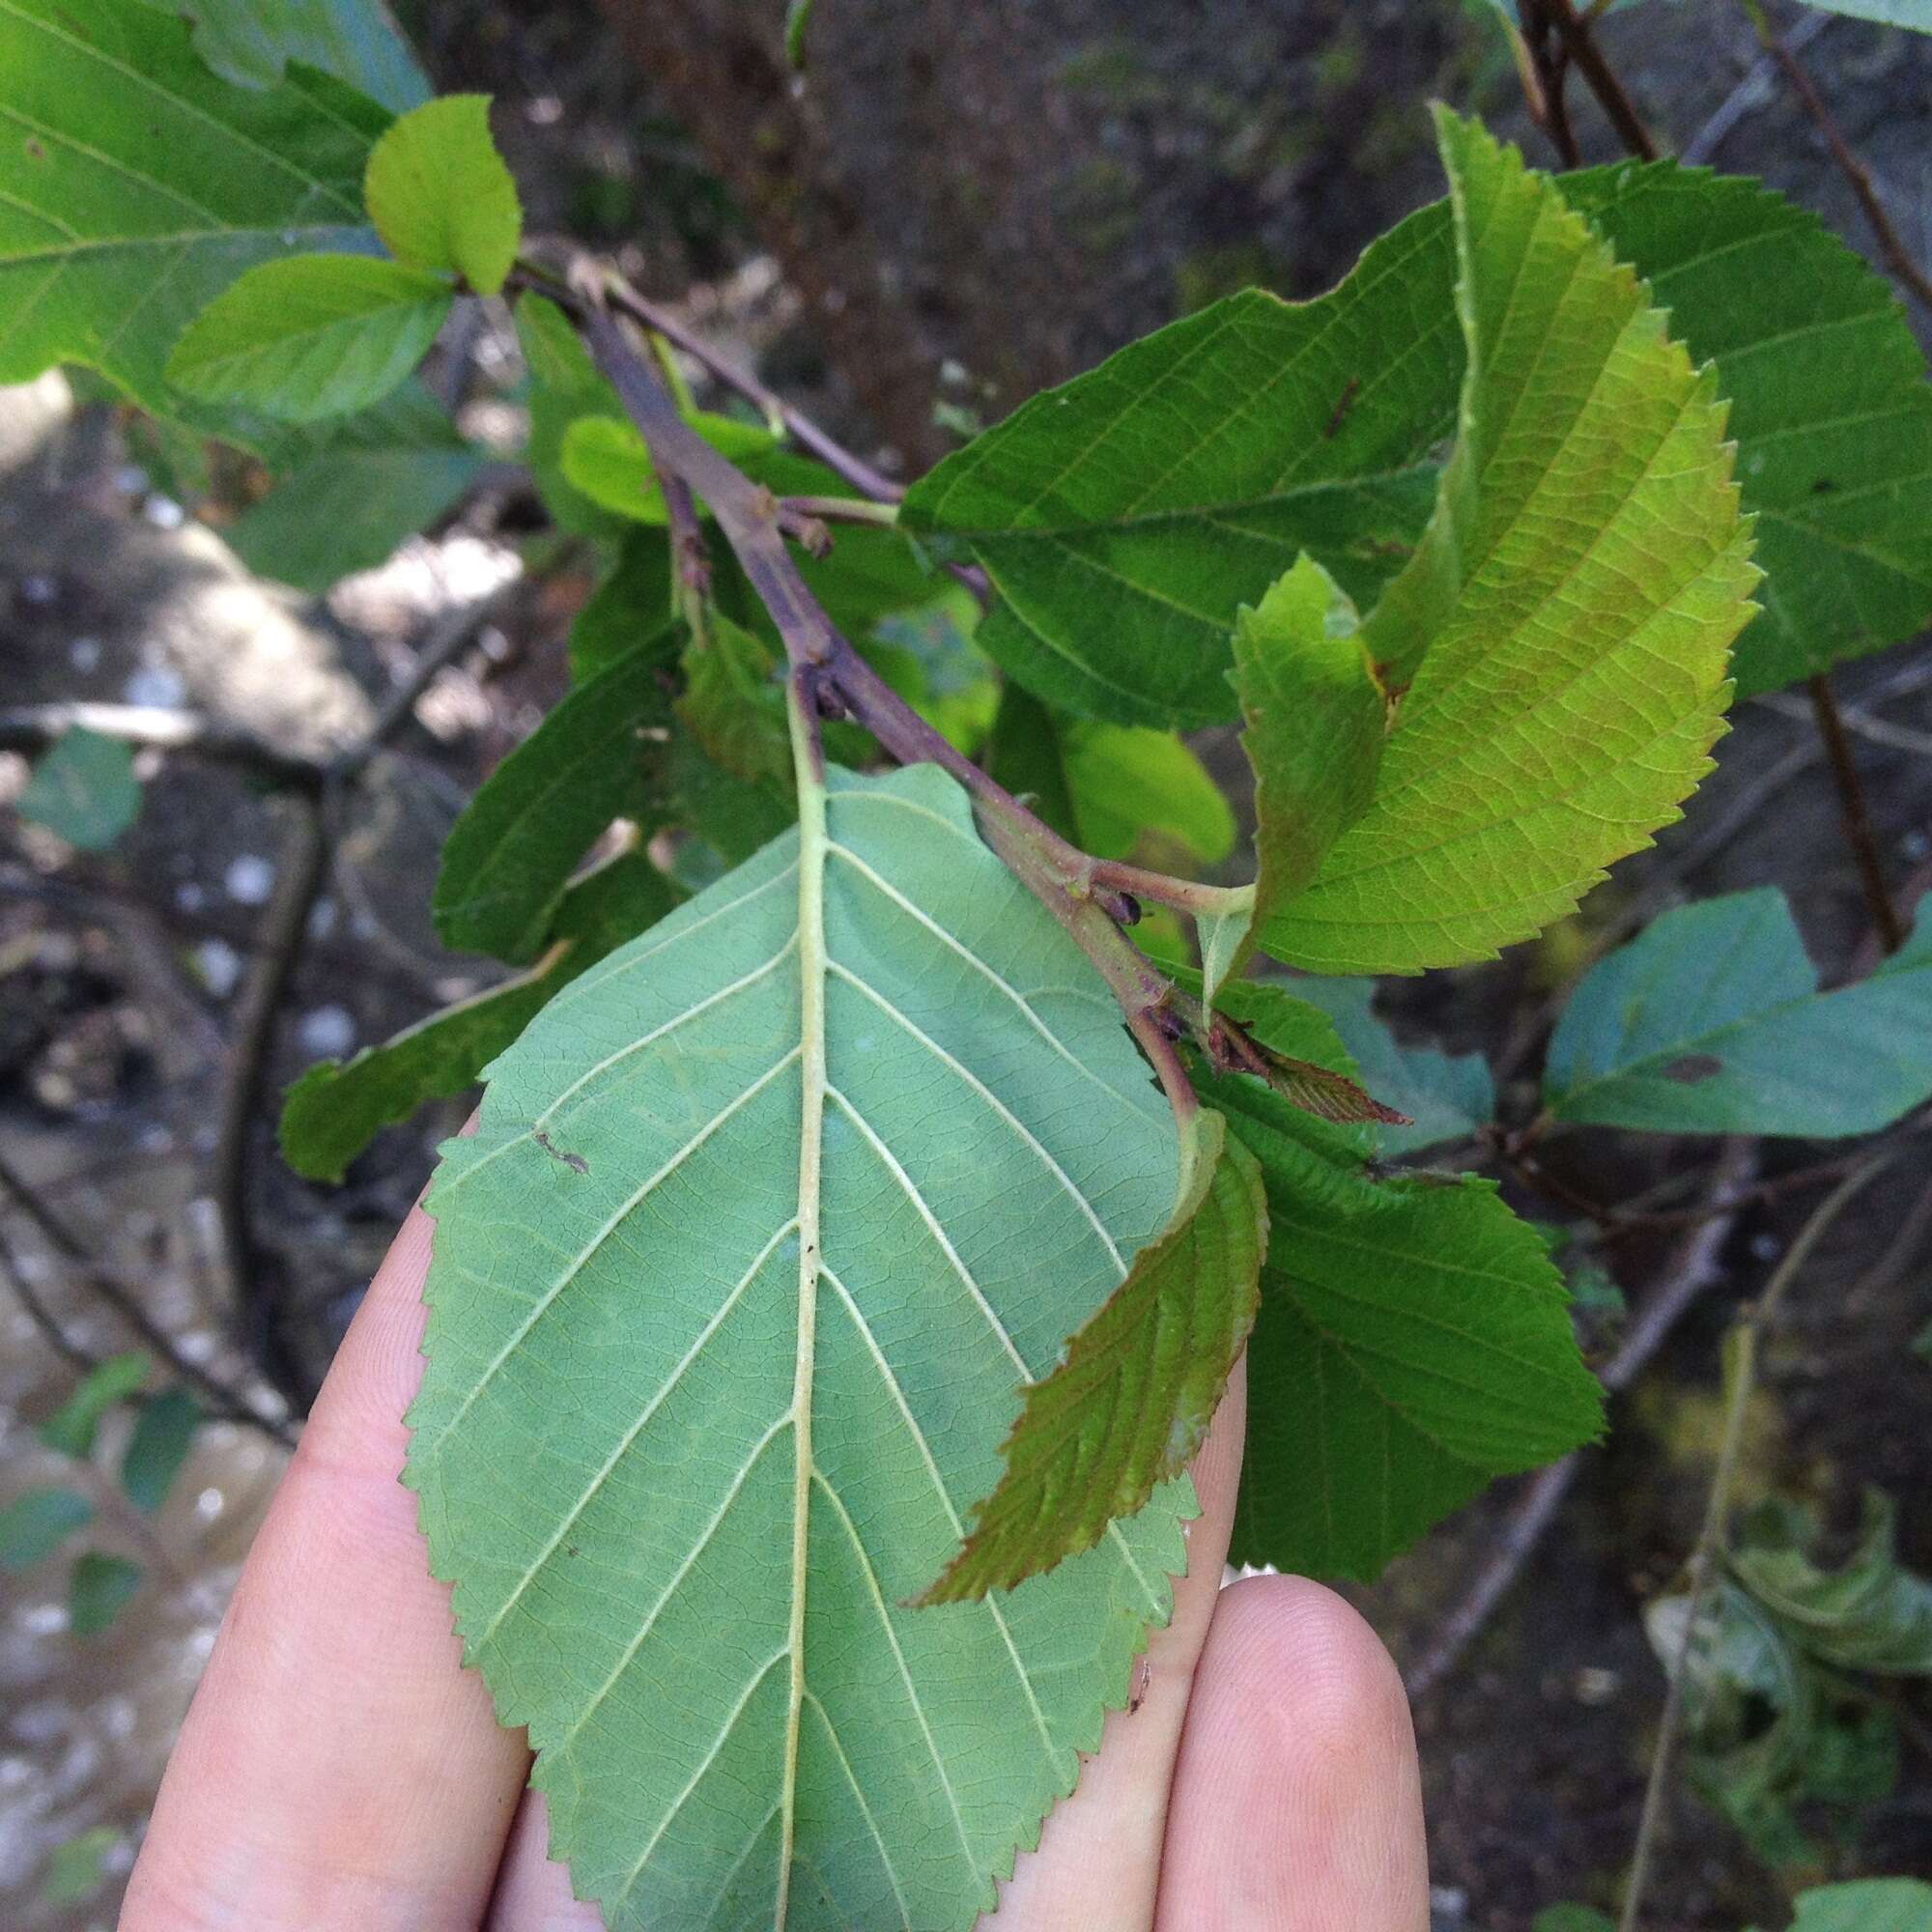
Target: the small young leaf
pixel 1132 1397
pixel 334 1109
pixel 318 335
pixel 71 1427
pixel 84 789
pixel 1871 1613
pixel 604 457
pixel 1711 1022
pixel 440 196
pixel 77 1869
pixel 510 855
pixel 1106 786
pixel 163 1435
pixel 1314 720
pixel 98 1589
pixel 1564 673
pixel 37 1523
pixel 1447 1096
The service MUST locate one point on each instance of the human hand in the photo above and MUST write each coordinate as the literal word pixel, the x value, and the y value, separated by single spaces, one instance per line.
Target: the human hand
pixel 340 1771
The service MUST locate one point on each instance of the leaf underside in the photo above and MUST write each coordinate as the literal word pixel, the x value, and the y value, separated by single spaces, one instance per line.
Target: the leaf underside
pixel 736 1720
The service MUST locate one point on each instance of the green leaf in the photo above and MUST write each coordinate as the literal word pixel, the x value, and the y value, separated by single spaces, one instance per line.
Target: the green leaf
pixel 1710 1022
pixel 382 476
pixel 732 706
pixel 440 196
pixel 37 1523
pixel 1126 516
pixel 319 335
pixel 510 855
pixel 1564 667
pixel 137 185
pixel 631 603
pixel 604 457
pixel 1413 1339
pixel 1866 1905
pixel 1447 1096
pixel 71 1427
pixel 1829 406
pixel 1871 1613
pixel 1314 720
pixel 1571 1918
pixel 335 1109
pixel 251 43
pixel 163 1435
pixel 84 789
pixel 98 1589
pixel 1130 1400
pixel 1888 12
pixel 564 386
pixel 1109 786
pixel 787 1375
pixel 77 1869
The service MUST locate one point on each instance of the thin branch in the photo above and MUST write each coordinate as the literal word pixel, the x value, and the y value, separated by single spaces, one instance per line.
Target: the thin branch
pixel 1692 1270
pixel 125 1303
pixel 1543 64
pixel 1897 257
pixel 1857 816
pixel 1580 43
pixel 33 728
pixel 1750 94
pixel 41 1315
pixel 1741 1363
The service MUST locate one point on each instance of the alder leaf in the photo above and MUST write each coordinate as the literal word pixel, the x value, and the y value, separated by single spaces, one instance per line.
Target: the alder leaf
pixel 38 1521
pixel 1131 1398
pixel 346 505
pixel 510 855
pixel 728 1320
pixel 1314 720
pixel 1866 1904
pixel 251 43
pixel 1413 1339
pixel 317 335
pixel 98 1589
pixel 1109 786
pixel 440 196
pixel 137 185
pixel 632 601
pixel 1711 1022
pixel 337 1108
pixel 604 458
pixel 71 1427
pixel 1126 516
pixel 1562 630
pixel 163 1433
pixel 1828 403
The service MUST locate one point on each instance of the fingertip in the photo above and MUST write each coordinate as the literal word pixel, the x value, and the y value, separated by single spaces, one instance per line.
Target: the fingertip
pixel 1297 1798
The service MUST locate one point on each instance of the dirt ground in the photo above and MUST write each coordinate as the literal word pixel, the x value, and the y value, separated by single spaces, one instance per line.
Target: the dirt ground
pixel 120 979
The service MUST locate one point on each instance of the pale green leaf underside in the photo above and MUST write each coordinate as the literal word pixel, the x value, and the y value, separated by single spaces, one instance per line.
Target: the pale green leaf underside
pixel 1711 1022
pixel 134 185
pixel 605 1443
pixel 1567 619
pixel 1887 12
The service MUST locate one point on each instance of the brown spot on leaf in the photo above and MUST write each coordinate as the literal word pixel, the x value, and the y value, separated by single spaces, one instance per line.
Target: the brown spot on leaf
pixel 1340 414
pixel 1693 1067
pixel 36 151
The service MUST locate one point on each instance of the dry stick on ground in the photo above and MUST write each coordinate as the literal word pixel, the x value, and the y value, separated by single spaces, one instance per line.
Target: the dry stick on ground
pixel 1741 1375
pixel 1694 1268
pixel 301 871
pixel 226 1403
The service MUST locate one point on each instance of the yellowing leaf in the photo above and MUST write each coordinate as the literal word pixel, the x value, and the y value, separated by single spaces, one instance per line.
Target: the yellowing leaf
pixel 440 196
pixel 1560 638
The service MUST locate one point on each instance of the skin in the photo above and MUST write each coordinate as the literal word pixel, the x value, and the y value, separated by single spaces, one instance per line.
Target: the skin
pixel 340 1771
